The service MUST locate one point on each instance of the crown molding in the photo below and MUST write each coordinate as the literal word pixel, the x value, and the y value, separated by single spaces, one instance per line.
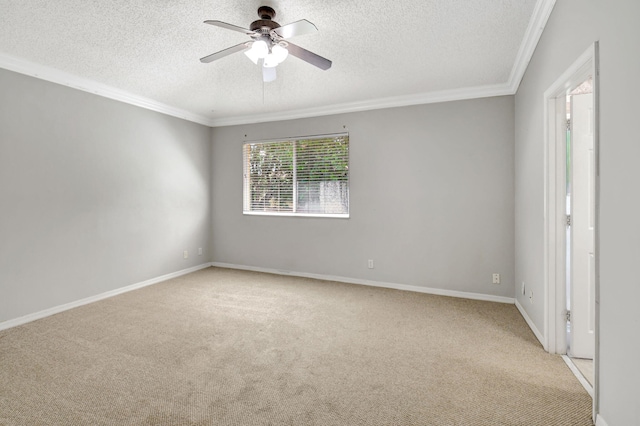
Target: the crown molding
pixel 53 75
pixel 390 102
pixel 541 12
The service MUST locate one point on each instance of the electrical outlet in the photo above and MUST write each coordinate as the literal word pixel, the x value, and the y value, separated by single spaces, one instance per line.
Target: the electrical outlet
pixel 200 251
pixel 531 296
pixel 185 254
pixel 496 278
pixel 370 263
pixel 524 290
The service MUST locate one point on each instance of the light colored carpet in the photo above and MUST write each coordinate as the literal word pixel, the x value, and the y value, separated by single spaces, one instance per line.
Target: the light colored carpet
pixel 226 347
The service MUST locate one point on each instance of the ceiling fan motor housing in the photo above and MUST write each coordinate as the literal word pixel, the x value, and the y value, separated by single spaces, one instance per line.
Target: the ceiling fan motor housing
pixel 263 25
pixel 266 23
pixel 266 12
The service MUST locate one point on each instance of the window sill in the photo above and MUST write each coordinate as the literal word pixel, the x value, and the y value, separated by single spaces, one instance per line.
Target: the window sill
pixel 320 215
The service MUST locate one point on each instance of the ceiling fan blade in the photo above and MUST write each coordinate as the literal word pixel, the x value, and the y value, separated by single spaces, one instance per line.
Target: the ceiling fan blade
pixel 230 27
pixel 268 74
pixel 226 52
pixel 309 57
pixel 296 28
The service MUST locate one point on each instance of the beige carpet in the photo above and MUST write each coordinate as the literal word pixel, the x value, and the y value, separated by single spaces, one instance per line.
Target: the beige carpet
pixel 225 347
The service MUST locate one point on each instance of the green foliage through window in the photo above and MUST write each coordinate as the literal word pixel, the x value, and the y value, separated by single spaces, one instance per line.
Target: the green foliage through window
pixel 306 176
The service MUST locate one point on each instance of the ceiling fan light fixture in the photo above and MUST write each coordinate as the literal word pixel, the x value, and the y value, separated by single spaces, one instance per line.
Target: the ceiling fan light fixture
pixel 276 56
pixel 280 53
pixel 268 74
pixel 270 61
pixel 252 55
pixel 259 50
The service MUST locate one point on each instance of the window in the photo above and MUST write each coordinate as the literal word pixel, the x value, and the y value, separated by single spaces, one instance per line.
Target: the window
pixel 306 176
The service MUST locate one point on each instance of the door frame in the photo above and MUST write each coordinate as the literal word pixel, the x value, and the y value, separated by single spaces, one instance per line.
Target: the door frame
pixel 555 337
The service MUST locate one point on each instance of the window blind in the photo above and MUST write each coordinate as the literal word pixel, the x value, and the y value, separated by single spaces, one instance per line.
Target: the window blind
pixel 305 176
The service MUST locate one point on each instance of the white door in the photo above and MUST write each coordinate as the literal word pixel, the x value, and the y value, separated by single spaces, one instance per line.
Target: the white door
pixel 582 336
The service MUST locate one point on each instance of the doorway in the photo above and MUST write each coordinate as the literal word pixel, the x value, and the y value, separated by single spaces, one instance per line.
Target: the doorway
pixel 571 219
pixel 580 228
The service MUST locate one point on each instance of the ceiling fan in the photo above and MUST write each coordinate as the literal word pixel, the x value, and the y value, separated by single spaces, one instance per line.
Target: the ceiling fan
pixel 268 43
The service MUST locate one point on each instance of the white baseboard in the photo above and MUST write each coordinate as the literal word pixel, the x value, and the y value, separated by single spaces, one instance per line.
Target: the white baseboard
pixel 600 421
pixel 531 325
pixel 437 291
pixel 57 309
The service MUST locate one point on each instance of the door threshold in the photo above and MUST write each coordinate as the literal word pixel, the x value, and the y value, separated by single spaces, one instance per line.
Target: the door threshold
pixel 585 383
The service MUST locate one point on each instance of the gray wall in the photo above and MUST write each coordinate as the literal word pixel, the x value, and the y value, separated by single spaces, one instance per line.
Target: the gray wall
pixel 431 199
pixel 568 34
pixel 573 26
pixel 94 194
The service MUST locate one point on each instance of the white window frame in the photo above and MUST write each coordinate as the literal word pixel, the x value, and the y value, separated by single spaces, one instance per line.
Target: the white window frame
pixel 246 180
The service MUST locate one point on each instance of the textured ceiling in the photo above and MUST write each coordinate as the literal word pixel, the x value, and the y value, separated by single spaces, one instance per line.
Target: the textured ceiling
pixel 379 49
